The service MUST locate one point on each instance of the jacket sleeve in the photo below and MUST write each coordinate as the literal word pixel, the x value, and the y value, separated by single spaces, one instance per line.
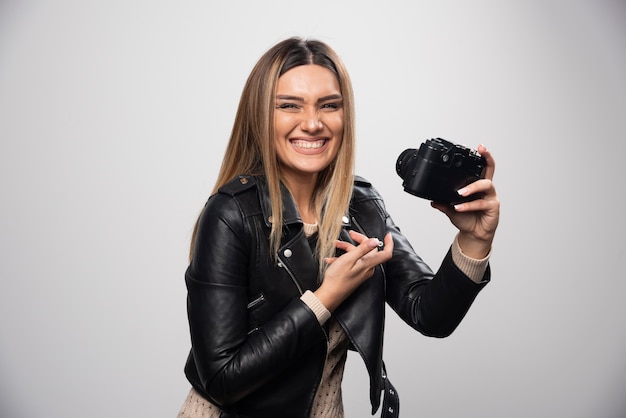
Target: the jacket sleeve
pixel 432 303
pixel 231 361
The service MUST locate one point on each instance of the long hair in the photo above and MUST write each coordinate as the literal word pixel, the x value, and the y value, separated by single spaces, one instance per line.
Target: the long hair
pixel 251 148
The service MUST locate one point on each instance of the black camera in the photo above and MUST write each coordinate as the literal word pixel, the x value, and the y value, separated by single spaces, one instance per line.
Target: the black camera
pixel 438 169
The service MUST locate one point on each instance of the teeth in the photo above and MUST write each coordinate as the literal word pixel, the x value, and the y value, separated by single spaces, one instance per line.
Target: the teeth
pixel 309 144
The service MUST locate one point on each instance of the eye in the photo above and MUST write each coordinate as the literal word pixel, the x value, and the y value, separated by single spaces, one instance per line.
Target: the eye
pixel 331 106
pixel 287 106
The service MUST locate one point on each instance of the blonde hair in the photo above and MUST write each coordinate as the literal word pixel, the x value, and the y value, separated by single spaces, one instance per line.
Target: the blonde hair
pixel 251 148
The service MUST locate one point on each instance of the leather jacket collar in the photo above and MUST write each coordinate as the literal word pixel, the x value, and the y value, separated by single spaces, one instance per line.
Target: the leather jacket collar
pixel 290 211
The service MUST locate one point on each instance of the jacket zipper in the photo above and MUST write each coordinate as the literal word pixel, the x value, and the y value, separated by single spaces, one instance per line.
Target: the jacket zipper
pixel 357 225
pixel 293 279
pixel 256 301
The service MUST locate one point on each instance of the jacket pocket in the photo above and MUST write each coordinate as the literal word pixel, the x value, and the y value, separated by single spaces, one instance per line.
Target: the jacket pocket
pixel 253 312
pixel 258 299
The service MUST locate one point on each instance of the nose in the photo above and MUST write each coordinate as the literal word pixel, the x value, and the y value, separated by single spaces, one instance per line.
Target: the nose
pixel 311 122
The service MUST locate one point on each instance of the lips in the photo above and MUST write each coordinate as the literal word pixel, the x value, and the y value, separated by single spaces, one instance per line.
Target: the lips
pixel 308 144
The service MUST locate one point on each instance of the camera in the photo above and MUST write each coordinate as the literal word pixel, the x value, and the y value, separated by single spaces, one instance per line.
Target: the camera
pixel 438 169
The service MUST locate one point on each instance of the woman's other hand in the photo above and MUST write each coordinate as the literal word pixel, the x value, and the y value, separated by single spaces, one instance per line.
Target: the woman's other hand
pixel 347 272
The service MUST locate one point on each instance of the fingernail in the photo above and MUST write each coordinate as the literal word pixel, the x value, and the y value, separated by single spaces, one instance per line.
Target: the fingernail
pixel 462 191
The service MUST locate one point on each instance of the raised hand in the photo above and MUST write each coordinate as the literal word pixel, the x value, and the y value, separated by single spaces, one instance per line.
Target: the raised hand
pixel 476 220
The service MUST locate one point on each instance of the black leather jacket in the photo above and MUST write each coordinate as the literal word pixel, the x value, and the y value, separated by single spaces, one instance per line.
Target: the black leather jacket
pixel 257 349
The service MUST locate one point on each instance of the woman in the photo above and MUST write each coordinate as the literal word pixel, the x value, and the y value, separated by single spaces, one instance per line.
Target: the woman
pixel 287 270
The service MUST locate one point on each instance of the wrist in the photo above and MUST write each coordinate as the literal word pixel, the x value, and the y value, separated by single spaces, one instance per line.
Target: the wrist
pixel 327 298
pixel 474 247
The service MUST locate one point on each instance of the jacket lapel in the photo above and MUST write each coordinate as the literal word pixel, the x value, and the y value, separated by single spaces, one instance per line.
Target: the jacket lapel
pixel 295 253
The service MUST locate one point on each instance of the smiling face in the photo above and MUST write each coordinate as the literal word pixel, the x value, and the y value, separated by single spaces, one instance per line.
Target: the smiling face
pixel 308 121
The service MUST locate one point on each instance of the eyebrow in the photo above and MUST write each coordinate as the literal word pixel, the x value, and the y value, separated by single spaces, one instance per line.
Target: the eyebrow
pixel 301 99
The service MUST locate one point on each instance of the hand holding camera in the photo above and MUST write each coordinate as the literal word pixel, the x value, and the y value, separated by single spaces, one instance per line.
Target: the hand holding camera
pixel 458 181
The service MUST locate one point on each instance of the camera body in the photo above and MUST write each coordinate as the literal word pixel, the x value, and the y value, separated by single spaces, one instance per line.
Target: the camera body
pixel 438 169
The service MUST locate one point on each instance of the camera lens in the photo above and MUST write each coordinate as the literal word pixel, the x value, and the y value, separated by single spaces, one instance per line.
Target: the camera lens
pixel 403 164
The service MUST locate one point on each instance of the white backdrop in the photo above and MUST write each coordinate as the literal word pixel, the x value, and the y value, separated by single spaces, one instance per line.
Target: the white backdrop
pixel 113 120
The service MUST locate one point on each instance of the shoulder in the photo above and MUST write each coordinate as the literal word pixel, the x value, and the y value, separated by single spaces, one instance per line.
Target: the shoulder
pixel 368 208
pixel 364 190
pixel 239 195
pixel 238 185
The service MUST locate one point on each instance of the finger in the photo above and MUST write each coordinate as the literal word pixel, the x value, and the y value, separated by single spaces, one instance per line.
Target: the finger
pixel 356 253
pixel 357 236
pixel 368 246
pixel 343 245
pixel 366 243
pixel 330 260
pixel 479 186
pixel 365 246
pixel 381 254
pixel 490 168
pixel 484 205
pixel 443 207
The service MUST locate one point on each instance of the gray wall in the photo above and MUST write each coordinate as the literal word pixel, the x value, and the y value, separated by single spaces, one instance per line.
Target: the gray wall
pixel 113 120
